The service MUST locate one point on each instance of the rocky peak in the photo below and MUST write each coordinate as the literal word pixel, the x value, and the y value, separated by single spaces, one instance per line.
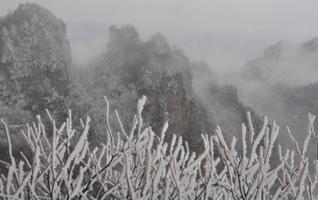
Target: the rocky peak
pixel 162 73
pixel 34 59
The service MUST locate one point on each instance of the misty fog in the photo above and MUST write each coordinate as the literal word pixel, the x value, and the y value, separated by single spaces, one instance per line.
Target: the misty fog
pixel 264 49
pixel 203 74
pixel 223 33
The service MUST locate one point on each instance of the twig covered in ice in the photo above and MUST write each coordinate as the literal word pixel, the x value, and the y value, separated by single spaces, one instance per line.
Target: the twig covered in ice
pixel 64 165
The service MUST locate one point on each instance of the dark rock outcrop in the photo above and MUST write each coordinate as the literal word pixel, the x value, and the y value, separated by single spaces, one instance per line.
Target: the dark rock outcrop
pixel 131 68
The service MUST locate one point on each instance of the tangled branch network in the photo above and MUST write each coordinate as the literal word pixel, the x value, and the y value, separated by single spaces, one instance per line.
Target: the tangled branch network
pixel 140 164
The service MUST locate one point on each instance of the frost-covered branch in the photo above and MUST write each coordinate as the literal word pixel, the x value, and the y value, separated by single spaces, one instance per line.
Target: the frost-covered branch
pixel 140 164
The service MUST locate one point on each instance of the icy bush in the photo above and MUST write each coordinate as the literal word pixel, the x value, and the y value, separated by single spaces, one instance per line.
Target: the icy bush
pixel 140 164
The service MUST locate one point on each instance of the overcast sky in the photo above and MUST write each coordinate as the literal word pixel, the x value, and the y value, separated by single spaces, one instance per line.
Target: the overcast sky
pixel 222 32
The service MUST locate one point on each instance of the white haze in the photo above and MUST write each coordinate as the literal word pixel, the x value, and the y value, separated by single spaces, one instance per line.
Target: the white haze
pixel 223 33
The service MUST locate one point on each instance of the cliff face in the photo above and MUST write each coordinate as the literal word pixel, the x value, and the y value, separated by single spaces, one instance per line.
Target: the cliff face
pixel 151 68
pixel 184 93
pixel 34 59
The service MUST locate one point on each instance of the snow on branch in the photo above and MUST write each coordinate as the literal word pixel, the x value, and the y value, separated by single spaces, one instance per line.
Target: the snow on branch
pixel 64 165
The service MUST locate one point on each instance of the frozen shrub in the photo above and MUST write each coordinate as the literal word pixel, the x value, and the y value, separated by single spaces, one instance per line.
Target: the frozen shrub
pixel 139 164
